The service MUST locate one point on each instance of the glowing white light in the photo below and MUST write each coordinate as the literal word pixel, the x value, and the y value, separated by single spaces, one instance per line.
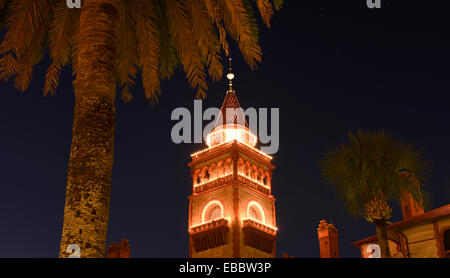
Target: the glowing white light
pixel 231 132
pixel 213 202
pixel 209 221
pixel 255 181
pixel 229 142
pixel 211 180
pixel 259 207
pixel 261 223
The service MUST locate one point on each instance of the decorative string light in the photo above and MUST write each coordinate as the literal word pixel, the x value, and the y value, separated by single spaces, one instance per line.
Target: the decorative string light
pixel 255 181
pixel 213 202
pixel 261 211
pixel 211 180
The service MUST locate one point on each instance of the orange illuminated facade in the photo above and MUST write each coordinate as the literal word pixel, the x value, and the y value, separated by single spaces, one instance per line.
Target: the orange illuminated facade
pixel 231 209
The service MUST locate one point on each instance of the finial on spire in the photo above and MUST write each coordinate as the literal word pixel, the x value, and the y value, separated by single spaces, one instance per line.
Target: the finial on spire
pixel 230 75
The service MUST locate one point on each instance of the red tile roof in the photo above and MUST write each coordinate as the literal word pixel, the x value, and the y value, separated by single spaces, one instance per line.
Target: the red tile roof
pixel 393 229
pixel 233 116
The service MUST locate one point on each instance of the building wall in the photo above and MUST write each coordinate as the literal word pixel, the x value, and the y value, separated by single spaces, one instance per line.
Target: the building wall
pixel 245 196
pixel 225 196
pixel 222 194
pixel 421 241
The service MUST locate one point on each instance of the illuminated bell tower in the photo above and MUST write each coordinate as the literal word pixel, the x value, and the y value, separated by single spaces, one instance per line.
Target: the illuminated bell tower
pixel 231 209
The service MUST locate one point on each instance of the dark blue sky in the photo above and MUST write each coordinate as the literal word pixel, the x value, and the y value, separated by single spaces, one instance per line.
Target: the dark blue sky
pixel 330 66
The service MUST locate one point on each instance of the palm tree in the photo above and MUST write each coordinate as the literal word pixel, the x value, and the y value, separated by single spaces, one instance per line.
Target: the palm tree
pixel 107 42
pixel 370 170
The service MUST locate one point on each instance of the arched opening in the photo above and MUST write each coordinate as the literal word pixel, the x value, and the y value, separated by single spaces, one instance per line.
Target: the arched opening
pixel 447 242
pixel 241 166
pixel 212 211
pixel 255 212
pixel 220 169
pixel 215 213
pixel 266 180
pixel 228 166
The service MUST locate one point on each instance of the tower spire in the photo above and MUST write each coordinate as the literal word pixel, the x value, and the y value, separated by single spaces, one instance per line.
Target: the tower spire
pixel 230 75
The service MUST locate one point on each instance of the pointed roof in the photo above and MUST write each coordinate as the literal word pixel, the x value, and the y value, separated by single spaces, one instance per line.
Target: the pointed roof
pixel 229 113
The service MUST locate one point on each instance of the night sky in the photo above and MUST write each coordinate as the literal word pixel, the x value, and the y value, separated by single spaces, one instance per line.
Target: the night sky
pixel 330 66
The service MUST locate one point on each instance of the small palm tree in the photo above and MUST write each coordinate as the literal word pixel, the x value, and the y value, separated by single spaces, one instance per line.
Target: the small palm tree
pixel 367 173
pixel 109 42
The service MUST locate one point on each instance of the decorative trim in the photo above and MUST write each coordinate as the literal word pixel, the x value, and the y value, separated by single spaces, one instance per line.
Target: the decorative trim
pixel 210 235
pixel 440 249
pixel 211 203
pixel 258 236
pixel 404 245
pixel 253 185
pixel 254 203
pixel 233 146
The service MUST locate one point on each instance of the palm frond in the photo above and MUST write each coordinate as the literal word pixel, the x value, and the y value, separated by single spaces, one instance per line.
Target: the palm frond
pixel 241 25
pixel 62 29
pixel 266 10
pixel 186 46
pixel 145 15
pixel 205 34
pixel 126 49
pixel 3 11
pixel 26 37
pixel 277 4
pixel 369 165
pixel 169 58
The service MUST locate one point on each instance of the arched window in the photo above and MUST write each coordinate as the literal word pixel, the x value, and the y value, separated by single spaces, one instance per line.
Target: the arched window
pixel 215 213
pixel 254 172
pixel 260 175
pixel 212 171
pixel 267 178
pixel 220 169
pixel 447 242
pixel 255 212
pixel 196 177
pixel 241 166
pixel 212 211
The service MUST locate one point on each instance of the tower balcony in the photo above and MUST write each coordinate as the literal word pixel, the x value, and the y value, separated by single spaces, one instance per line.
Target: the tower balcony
pixel 213 183
pixel 259 236
pixel 210 234
pixel 254 184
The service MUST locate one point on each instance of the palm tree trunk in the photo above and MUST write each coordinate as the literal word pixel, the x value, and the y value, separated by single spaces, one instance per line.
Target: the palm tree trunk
pixel 86 211
pixel 380 226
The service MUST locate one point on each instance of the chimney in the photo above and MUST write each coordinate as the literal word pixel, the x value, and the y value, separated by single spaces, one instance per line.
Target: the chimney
pixel 125 251
pixel 328 240
pixel 410 207
pixel 113 250
pixel 119 251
